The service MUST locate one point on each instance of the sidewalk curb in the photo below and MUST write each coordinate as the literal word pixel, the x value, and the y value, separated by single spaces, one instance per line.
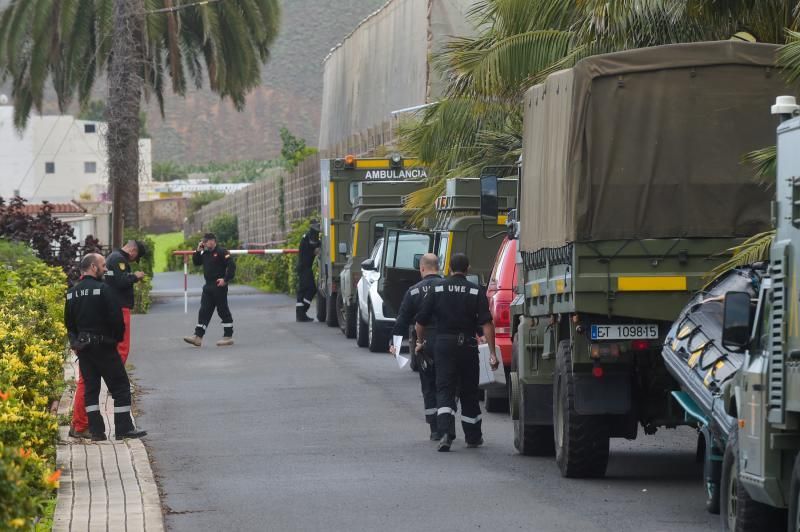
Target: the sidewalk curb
pixel 105 485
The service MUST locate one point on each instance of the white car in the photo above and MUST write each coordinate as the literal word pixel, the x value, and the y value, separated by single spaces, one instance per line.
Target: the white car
pixel 397 257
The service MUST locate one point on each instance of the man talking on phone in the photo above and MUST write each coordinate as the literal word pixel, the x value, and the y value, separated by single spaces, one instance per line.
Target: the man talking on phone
pixel 218 270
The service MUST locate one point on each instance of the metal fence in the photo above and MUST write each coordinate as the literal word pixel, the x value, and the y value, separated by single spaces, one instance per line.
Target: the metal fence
pixel 261 217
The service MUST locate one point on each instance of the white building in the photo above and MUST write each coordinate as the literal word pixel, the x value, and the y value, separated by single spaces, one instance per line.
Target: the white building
pixel 57 158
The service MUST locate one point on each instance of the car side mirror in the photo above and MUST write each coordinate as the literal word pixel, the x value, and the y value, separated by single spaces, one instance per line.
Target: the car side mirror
pixel 417 260
pixel 736 322
pixel 342 248
pixel 489 205
pixel 368 265
pixel 473 278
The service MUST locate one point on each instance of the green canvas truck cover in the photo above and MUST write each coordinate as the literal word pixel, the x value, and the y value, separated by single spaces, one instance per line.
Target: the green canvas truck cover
pixel 648 143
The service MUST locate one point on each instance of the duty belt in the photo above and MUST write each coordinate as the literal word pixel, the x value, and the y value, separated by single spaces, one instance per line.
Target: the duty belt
pixel 461 338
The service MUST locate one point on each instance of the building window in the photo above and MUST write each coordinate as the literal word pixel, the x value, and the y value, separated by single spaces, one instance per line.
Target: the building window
pixel 90 167
pixel 89 128
pixel 49 168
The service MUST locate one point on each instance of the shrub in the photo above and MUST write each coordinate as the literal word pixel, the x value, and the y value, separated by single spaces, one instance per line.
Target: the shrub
pixel 273 273
pixel 226 228
pixel 48 236
pixel 32 346
pixel 201 199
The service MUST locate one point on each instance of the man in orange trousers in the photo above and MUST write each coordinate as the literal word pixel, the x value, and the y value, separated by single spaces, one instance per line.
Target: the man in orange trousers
pixel 121 280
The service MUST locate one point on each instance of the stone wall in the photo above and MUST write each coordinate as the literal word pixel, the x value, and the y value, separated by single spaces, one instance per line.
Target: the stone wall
pixel 162 215
pixel 265 210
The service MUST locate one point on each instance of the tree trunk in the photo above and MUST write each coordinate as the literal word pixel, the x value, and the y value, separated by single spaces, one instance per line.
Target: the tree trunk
pixel 125 85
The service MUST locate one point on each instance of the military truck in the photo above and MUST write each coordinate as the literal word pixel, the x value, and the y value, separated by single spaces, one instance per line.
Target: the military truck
pixel 339 180
pixel 735 350
pixel 377 206
pixel 631 190
pixel 457 227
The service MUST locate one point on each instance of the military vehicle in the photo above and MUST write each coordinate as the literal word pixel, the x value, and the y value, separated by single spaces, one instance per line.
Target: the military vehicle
pixel 339 180
pixel 738 363
pixel 377 206
pixel 631 189
pixel 457 227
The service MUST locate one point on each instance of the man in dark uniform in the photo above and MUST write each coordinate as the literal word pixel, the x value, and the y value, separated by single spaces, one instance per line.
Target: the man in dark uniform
pixel 218 270
pixel 458 307
pixel 95 326
pixel 410 306
pixel 120 279
pixel 306 287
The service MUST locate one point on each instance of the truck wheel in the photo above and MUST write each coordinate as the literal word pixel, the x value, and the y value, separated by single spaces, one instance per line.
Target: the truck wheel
pixel 794 501
pixel 378 340
pixel 496 400
pixel 330 310
pixel 362 333
pixel 529 440
pixel 739 512
pixel 320 307
pixel 347 321
pixel 581 441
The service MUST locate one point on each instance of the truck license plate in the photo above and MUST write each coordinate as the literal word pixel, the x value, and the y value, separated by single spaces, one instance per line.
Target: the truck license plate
pixel 625 332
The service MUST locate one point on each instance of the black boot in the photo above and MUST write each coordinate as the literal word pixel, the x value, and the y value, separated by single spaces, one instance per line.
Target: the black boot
pixel 97 426
pixel 301 316
pixel 123 427
pixel 445 442
pixel 435 434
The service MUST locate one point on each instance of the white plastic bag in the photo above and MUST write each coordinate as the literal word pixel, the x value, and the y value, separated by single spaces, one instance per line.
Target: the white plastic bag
pixel 489 378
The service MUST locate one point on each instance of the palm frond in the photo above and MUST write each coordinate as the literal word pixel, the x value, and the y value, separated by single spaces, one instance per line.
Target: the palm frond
pixel 765 164
pixel 754 249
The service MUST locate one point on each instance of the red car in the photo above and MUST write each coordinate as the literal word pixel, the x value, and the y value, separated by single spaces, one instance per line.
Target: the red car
pixel 502 285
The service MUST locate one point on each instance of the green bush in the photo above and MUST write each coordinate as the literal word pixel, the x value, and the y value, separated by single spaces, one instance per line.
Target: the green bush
pixel 32 347
pixel 201 199
pixel 226 228
pixel 274 273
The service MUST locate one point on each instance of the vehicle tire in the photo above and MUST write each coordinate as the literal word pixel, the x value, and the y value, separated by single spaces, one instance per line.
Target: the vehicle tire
pixel 794 500
pixel 362 333
pixel 495 403
pixel 346 316
pixel 529 440
pixel 738 511
pixel 330 311
pixel 321 307
pixel 581 442
pixel 378 341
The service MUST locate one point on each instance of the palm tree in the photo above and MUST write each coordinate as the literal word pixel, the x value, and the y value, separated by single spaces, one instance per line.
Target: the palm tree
pixel 520 42
pixel 138 44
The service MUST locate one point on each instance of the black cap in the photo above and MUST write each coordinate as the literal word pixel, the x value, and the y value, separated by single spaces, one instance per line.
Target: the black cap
pixel 209 236
pixel 141 249
pixel 315 224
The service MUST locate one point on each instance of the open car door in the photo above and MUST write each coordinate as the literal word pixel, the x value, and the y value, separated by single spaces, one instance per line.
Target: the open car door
pixel 399 271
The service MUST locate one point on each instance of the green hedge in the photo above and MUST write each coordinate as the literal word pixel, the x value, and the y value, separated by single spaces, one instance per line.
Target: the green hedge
pixel 274 273
pixel 32 349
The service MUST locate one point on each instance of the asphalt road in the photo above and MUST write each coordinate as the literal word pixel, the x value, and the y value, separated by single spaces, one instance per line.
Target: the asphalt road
pixel 296 428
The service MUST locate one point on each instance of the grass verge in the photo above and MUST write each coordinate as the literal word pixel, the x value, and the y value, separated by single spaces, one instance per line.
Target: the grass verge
pixel 162 244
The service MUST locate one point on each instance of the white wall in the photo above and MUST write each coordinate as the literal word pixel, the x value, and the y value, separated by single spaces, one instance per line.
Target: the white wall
pixel 16 153
pixel 63 141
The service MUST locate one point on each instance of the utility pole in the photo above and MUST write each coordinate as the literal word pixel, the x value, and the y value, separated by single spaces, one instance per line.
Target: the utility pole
pixel 125 86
